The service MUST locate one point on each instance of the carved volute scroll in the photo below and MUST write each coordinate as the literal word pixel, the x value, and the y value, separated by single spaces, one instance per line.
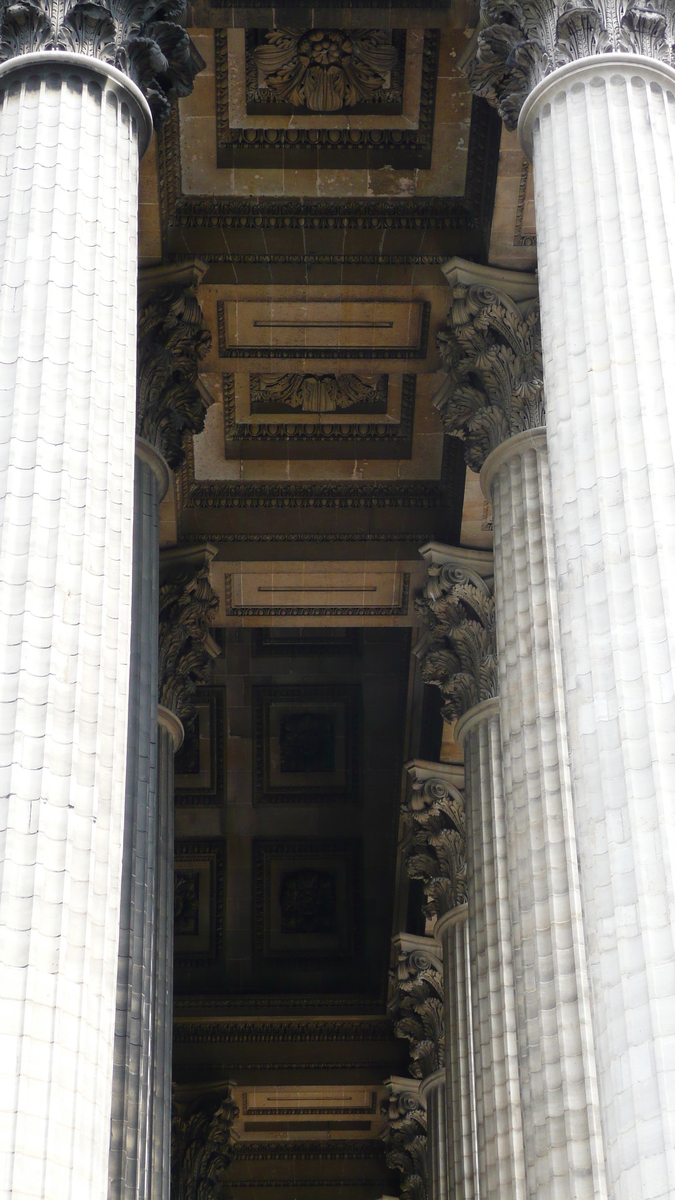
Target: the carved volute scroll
pixel 494 388
pixel 523 42
pixel 143 38
pixel 416 1002
pixel 172 339
pixel 433 814
pixel 187 606
pixel 325 70
pixel 405 1137
pixel 201 1145
pixel 460 657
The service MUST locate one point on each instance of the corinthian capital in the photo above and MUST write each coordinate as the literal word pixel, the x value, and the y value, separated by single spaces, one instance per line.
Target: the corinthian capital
pixel 491 349
pixel 201 1143
pixel 187 605
pixel 459 653
pixel 172 338
pixel 416 1002
pixel 405 1136
pixel 142 38
pixel 523 42
pixel 433 813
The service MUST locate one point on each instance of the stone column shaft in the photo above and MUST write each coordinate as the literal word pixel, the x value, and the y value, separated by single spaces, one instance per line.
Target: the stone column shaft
pixel 433 1095
pixel 69 152
pixel 460 1093
pixel 128 1167
pixel 498 1105
pixel 555 1043
pixel 602 134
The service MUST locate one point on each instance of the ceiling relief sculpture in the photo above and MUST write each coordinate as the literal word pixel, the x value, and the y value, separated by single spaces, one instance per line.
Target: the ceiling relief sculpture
pixel 326 70
pixel 317 393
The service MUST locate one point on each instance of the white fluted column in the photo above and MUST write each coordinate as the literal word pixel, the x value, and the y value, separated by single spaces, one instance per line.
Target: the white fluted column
pixel 602 135
pixel 433 1096
pixel 563 1146
pixel 70 134
pixel 170 738
pixel 451 930
pixel 129 1166
pixel 498 1102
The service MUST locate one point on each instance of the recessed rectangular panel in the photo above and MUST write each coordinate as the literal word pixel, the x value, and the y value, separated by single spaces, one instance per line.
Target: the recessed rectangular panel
pixel 306 744
pixel 371 329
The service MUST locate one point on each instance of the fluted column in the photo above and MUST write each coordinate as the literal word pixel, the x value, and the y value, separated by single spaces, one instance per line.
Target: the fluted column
pixel 416 1006
pixel 172 338
pixel 72 129
pixel 187 605
pixel 492 348
pixel 597 119
pixel 458 656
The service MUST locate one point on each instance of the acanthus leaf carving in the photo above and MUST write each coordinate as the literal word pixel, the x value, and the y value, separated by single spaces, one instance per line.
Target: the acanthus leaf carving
pixel 494 387
pixel 143 39
pixel 201 1149
pixel 433 813
pixel 524 42
pixel 458 610
pixel 325 70
pixel 187 606
pixel 405 1138
pixel 316 393
pixel 172 339
pixel 416 1003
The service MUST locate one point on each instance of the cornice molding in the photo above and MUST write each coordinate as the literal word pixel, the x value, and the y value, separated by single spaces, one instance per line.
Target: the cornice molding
pixel 520 45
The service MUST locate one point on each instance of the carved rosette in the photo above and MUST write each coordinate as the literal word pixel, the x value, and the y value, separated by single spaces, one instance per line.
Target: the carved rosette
pixel 201 1148
pixel 172 339
pixel 145 40
pixel 416 1003
pixel 405 1138
pixel 523 42
pixel 458 609
pixel 187 606
pixel 325 70
pixel 433 814
pixel 494 387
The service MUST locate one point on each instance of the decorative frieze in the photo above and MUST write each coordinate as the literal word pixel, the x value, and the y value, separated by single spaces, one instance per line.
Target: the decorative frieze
pixel 433 812
pixel 523 43
pixel 145 41
pixel 459 655
pixel 416 1002
pixel 317 393
pixel 187 606
pixel 172 339
pixel 494 388
pixel 201 1149
pixel 405 1137
pixel 326 70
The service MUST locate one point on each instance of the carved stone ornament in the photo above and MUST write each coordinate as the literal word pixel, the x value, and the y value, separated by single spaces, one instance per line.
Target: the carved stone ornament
pixel 325 69
pixel 494 387
pixel 524 42
pixel 314 393
pixel 416 1003
pixel 458 609
pixel 143 38
pixel 405 1138
pixel 172 339
pixel 187 605
pixel 433 814
pixel 201 1148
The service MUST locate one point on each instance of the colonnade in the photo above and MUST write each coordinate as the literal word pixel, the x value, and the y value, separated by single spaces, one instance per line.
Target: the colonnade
pixel 562 686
